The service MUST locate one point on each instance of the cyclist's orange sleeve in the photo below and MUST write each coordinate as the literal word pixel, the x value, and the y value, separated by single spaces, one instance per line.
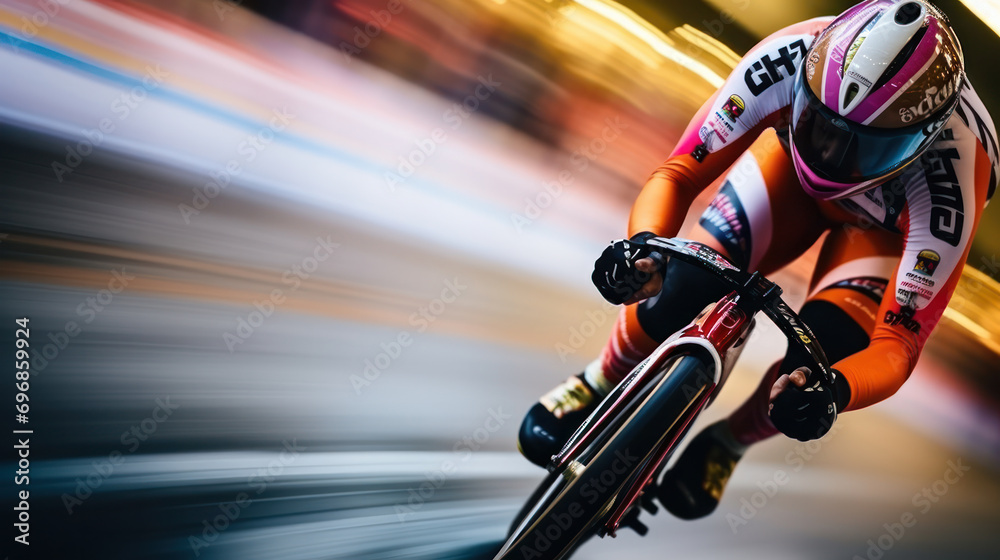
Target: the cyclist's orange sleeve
pixel 752 99
pixel 943 208
pixel 664 200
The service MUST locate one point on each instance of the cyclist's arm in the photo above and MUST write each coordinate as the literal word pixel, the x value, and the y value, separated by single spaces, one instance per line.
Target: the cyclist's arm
pixel 664 200
pixel 723 129
pixel 944 204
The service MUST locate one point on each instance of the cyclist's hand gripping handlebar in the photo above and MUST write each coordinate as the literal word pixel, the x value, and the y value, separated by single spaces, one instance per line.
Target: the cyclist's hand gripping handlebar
pixel 803 406
pixel 615 272
pixel 802 412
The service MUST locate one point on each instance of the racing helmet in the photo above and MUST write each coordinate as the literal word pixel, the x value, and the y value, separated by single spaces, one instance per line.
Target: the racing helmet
pixel 876 88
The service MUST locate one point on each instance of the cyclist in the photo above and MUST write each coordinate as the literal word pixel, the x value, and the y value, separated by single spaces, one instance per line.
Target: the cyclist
pixel 862 126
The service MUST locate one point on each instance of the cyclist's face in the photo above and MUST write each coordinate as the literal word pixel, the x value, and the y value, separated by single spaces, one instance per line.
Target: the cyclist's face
pixel 832 143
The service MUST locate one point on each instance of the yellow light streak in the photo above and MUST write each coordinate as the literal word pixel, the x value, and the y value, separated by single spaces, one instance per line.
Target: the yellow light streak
pixel 641 29
pixel 709 44
pixel 975 307
pixel 986 10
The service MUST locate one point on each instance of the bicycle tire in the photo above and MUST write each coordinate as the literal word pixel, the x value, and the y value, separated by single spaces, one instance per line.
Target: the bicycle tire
pixel 566 513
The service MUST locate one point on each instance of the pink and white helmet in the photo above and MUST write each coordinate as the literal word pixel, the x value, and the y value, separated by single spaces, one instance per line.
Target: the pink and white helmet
pixel 875 90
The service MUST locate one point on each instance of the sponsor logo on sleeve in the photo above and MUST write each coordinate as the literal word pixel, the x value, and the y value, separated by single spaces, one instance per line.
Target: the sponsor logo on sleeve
pixel 947 206
pixel 904 318
pixel 919 279
pixel 917 289
pixel 705 133
pixel 716 131
pixel 733 107
pixel 699 153
pixel 726 219
pixel 765 72
pixel 927 262
pixel 713 132
pixel 905 298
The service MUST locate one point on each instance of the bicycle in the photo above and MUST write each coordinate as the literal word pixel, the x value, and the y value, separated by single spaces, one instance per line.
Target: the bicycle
pixel 595 483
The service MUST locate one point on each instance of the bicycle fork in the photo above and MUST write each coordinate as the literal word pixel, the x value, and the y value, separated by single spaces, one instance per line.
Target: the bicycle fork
pixel 720 331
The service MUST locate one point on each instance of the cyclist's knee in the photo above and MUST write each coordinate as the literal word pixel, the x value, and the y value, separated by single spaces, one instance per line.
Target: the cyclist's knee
pixel 838 332
pixel 686 291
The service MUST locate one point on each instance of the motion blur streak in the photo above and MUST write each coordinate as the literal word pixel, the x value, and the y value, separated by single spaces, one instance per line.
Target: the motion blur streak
pixel 291 291
pixel 637 27
pixel 987 10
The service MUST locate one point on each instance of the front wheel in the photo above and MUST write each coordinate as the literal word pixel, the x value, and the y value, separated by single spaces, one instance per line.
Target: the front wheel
pixel 570 505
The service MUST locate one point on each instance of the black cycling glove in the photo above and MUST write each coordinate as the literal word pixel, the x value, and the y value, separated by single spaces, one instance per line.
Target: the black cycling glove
pixel 808 413
pixel 615 274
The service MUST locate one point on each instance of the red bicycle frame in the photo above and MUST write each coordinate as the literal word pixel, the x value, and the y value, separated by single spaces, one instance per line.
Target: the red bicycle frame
pixel 717 337
pixel 719 331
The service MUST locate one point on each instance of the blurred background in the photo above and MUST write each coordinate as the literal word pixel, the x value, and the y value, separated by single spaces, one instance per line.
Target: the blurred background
pixel 295 270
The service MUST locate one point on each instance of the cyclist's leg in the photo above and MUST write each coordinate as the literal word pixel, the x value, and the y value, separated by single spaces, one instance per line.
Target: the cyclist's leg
pixel 760 218
pixel 845 292
pixel 771 223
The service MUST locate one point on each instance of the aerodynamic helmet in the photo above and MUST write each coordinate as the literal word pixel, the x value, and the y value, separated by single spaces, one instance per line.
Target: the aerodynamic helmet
pixel 876 88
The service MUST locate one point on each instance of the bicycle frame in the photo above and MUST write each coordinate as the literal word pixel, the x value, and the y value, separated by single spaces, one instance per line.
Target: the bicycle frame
pixel 720 331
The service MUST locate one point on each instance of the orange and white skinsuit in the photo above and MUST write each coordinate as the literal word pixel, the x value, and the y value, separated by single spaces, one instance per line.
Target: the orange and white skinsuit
pixel 888 266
